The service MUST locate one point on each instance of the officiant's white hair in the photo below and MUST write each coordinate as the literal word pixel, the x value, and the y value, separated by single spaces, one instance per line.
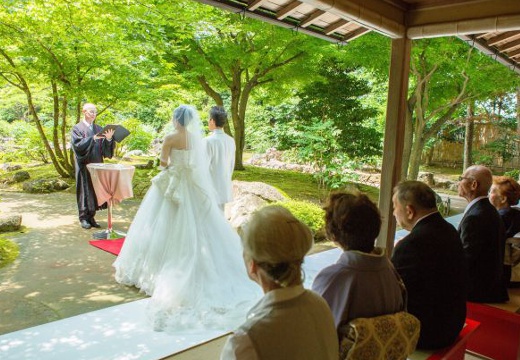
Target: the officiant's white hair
pixel 275 237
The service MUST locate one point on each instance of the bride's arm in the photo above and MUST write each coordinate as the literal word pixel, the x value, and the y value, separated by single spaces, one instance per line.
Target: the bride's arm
pixel 165 151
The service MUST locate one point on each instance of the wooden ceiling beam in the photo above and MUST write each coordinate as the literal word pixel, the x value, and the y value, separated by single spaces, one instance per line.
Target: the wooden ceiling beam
pixel 509 46
pixel 380 15
pixel 255 4
pixel 439 12
pixel 514 54
pixel 356 33
pixel 335 26
pixel 312 17
pixel 500 24
pixel 502 37
pixel 484 48
pixel 288 9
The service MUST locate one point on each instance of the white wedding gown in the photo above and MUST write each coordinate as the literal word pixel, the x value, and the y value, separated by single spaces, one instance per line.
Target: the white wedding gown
pixel 182 252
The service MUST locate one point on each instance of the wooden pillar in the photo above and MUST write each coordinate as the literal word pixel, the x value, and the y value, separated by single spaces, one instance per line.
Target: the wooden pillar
pixel 394 137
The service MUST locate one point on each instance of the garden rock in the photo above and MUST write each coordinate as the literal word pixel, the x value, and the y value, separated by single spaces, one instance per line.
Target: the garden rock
pixel 9 167
pixel 272 159
pixel 134 153
pixel 21 176
pixel 10 223
pixel 43 186
pixel 454 187
pixel 427 177
pixel 249 196
pixel 148 165
pixel 444 184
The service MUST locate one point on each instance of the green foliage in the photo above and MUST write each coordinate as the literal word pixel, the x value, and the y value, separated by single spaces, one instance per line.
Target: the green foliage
pixel 28 143
pixel 331 128
pixel 5 128
pixel 9 251
pixel 309 213
pixel 12 112
pixel 515 174
pixel 296 185
pixel 141 136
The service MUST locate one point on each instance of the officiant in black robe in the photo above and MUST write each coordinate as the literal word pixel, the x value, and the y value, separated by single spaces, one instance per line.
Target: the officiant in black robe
pixel 89 148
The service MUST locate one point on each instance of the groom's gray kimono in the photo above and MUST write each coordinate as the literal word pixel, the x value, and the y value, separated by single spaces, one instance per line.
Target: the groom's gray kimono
pixel 221 151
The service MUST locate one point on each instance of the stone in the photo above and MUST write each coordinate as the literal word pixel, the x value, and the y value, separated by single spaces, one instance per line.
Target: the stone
pixel 10 223
pixel 444 184
pixel 148 165
pixel 9 167
pixel 43 186
pixel 427 177
pixel 249 196
pixel 21 176
pixel 134 153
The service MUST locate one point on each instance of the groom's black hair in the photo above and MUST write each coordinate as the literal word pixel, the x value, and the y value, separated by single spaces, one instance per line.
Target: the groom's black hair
pixel 219 115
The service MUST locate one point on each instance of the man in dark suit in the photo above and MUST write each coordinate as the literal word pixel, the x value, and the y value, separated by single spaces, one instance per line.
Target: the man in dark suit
pixel 431 262
pixel 483 237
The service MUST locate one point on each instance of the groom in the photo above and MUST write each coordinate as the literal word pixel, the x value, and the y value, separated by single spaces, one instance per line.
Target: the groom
pixel 221 151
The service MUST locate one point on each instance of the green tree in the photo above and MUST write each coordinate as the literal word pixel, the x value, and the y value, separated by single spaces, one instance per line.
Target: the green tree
pixel 446 73
pixel 60 53
pixel 233 56
pixel 332 127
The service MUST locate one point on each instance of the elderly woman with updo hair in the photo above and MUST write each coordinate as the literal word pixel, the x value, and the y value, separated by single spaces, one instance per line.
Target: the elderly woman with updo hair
pixel 289 322
pixel 504 193
pixel 363 282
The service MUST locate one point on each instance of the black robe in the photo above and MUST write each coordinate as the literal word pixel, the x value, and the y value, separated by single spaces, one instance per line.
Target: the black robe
pixel 86 151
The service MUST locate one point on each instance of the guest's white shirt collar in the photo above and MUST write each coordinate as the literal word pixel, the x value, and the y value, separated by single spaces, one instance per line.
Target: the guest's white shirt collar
pixel 217 131
pixel 276 296
pixel 473 202
pixel 86 123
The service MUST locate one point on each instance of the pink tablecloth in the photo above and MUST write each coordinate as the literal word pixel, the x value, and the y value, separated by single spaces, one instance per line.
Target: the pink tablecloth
pixel 112 181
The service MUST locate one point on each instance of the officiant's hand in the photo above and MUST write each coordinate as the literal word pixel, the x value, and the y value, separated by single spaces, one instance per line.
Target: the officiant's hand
pixel 109 133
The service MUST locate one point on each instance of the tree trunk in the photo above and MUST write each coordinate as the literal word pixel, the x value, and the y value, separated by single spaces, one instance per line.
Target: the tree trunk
pixel 429 157
pixel 407 146
pixel 416 153
pixel 518 125
pixel 468 138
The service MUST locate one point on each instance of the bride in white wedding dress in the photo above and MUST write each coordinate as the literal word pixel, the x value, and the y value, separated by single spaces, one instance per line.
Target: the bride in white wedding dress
pixel 180 249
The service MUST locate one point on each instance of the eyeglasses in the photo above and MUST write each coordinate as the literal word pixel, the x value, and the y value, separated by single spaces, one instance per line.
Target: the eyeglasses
pixel 464 177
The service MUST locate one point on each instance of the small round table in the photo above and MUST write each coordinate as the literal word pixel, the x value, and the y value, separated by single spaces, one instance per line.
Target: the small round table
pixel 112 183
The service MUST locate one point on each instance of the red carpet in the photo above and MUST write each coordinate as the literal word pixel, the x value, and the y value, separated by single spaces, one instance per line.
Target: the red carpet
pixel 498 335
pixel 111 246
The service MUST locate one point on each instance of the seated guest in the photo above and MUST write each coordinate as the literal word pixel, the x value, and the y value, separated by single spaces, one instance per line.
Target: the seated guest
pixel 431 263
pixel 504 193
pixel 289 322
pixel 483 237
pixel 362 283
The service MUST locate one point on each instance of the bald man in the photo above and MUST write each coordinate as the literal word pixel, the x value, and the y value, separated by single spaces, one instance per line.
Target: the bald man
pixel 89 148
pixel 483 237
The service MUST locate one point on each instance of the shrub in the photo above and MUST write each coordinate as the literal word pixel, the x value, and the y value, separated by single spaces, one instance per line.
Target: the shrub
pixel 8 252
pixel 309 213
pixel 28 143
pixel 5 129
pixel 140 137
pixel 515 174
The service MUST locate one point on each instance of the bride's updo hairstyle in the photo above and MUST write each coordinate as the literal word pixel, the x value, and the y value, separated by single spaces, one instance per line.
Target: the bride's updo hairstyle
pixel 184 114
pixel 277 242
